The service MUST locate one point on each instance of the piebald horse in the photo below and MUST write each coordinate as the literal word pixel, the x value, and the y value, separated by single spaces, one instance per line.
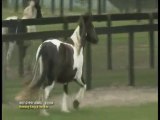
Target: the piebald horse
pixel 32 11
pixel 61 62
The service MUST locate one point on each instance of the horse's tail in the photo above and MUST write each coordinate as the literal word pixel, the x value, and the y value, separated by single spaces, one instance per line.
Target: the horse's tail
pixel 31 91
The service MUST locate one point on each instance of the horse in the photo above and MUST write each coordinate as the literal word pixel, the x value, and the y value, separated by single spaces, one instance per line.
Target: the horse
pixel 32 11
pixel 61 62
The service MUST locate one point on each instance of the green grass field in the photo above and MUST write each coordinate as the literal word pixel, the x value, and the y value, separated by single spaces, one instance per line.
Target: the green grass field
pixel 141 112
pixel 102 77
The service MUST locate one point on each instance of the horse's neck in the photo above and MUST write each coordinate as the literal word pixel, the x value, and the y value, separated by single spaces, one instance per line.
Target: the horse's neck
pixel 76 39
pixel 29 12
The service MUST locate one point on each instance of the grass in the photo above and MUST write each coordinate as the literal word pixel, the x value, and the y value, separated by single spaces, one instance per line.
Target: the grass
pixel 142 112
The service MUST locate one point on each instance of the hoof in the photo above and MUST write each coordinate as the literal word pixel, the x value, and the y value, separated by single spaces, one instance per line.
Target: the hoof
pixel 44 113
pixel 76 104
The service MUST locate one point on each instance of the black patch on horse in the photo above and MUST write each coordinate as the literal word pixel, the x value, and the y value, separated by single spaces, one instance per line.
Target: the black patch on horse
pixel 49 55
pixel 57 64
pixel 66 62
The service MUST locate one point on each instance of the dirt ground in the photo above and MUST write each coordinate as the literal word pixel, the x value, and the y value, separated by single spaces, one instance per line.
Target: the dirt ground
pixel 113 96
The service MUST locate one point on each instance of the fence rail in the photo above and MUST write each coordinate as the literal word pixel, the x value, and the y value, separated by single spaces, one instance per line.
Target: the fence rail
pixel 108 30
pixel 58 33
pixel 72 19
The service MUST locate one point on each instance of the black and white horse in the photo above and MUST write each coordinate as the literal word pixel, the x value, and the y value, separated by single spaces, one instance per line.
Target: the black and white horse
pixel 61 62
pixel 32 11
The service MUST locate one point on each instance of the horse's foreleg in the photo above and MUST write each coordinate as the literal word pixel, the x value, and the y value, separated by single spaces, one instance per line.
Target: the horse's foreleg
pixel 80 93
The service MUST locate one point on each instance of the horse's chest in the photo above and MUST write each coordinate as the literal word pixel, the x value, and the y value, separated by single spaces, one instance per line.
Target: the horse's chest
pixel 78 64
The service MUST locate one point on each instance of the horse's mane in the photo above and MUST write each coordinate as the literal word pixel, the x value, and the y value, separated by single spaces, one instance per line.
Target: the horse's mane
pixel 83 23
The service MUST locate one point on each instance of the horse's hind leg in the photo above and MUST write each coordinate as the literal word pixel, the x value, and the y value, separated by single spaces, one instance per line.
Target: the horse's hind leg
pixel 47 87
pixel 45 94
pixel 10 49
pixel 80 93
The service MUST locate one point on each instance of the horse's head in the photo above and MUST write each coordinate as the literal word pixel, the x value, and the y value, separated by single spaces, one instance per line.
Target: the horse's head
pixel 32 3
pixel 36 5
pixel 87 31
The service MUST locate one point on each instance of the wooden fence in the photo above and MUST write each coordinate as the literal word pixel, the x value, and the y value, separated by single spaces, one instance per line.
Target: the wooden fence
pixel 108 30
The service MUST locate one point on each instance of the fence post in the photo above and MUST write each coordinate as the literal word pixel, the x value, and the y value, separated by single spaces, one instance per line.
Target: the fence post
pixel 109 44
pixel 131 59
pixel 52 6
pixel 88 59
pixel 4 3
pixel 151 42
pixel 71 5
pixel 89 5
pixel 16 6
pixel 99 7
pixel 88 66
pixel 41 2
pixel 138 6
pixel 104 6
pixel 65 27
pixel 156 2
pixel 61 7
pixel 3 69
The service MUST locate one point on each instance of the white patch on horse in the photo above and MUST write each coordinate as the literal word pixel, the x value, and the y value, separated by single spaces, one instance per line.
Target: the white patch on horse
pixel 76 37
pixel 38 51
pixel 78 63
pixel 77 56
pixel 55 42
